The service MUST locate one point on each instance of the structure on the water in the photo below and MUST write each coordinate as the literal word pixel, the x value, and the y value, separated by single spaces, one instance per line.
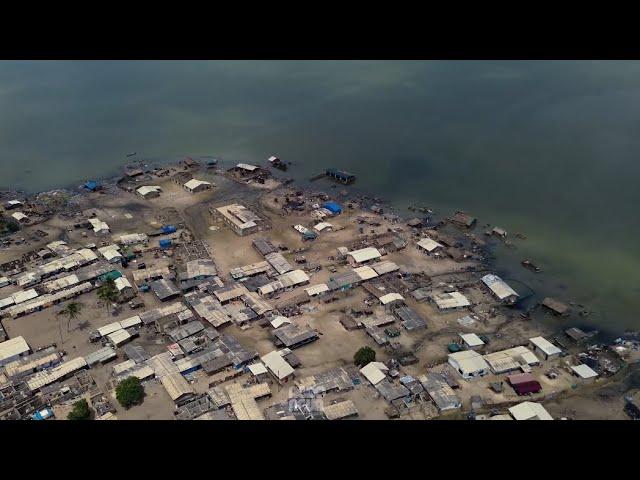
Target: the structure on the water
pixel 340 175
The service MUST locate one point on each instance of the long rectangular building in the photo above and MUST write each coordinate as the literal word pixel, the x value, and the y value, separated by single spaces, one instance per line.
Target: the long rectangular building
pixel 48 300
pixel 47 377
pixel 284 281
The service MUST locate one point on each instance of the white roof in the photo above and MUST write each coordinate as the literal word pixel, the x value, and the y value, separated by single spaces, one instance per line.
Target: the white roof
pixel 119 336
pixel 12 347
pixel 545 345
pixel 365 272
pixel 45 377
pixel 147 189
pixel 322 225
pixel 98 225
pixel 428 244
pixel 246 166
pixel 257 368
pixel 530 411
pixel 451 300
pixel 278 366
pixel 317 289
pixel 132 238
pixel 122 283
pixel 295 276
pixel 131 322
pixel 110 252
pixel 498 286
pixel 469 361
pixel 385 266
pixel 193 183
pixel 14 202
pixel 5 302
pixel 19 216
pixel 584 371
pixel 374 372
pixel 390 297
pixel 110 328
pixel 24 295
pixel 301 229
pixel 123 366
pixel 471 339
pixel 511 359
pixel 365 254
pixel 279 321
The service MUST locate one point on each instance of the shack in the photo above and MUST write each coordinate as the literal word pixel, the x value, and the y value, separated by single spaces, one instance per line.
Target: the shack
pixel 524 383
pixel 149 191
pixel 440 392
pixel 463 219
pixel 555 306
pixel 363 255
pixel 428 245
pixel 500 289
pixel 164 289
pixel 195 186
pixel 471 341
pixel 293 336
pixel 450 300
pixel 544 348
pixel 278 367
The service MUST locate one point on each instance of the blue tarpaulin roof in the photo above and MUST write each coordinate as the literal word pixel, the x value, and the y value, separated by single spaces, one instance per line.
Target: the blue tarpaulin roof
pixel 333 207
pixel 168 229
pixel 165 243
pixel 91 185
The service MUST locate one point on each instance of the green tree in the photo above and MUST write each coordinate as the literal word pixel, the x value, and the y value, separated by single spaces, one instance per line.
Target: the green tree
pixel 8 225
pixel 72 310
pixel 81 411
pixel 130 392
pixel 108 292
pixel 364 355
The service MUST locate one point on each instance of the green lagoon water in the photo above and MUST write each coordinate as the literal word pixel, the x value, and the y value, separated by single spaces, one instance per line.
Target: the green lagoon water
pixel 550 149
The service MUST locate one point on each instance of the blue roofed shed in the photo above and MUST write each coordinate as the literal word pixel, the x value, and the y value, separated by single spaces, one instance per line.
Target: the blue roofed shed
pixel 165 243
pixel 168 229
pixel 333 207
pixel 91 185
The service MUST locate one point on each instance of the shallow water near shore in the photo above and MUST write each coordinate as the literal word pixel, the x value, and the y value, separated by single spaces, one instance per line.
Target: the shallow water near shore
pixel 548 149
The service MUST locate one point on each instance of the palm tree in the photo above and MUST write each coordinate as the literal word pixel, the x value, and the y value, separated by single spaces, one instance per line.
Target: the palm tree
pixel 108 293
pixel 72 310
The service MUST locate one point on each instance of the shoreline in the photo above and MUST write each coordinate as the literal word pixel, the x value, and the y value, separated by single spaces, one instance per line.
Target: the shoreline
pixel 490 249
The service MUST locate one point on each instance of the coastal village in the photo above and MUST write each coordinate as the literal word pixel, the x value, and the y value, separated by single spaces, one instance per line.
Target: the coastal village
pixel 235 295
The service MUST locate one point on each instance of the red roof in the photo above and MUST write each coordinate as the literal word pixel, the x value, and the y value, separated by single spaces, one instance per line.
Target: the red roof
pixel 524 383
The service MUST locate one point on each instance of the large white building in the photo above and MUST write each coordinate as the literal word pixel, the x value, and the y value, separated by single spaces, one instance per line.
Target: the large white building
pixel 242 220
pixel 529 411
pixel 469 364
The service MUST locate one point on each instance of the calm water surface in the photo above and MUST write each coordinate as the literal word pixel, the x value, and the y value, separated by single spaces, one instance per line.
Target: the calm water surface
pixel 549 149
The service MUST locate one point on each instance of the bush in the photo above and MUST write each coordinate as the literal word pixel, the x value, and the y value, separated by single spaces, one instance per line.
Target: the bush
pixel 364 356
pixel 81 411
pixel 130 392
pixel 8 225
